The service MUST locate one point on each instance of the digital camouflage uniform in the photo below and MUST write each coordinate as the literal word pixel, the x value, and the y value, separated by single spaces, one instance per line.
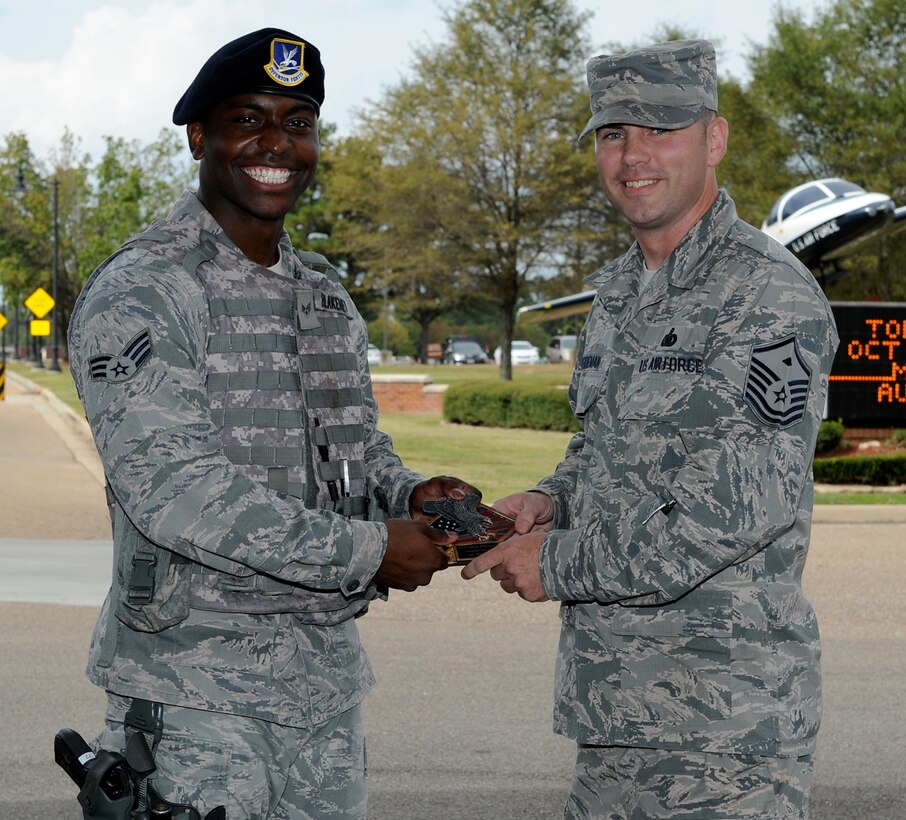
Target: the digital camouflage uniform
pixel 683 506
pixel 225 399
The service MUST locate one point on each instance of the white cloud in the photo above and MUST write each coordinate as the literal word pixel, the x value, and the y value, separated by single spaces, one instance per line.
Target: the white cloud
pixel 117 67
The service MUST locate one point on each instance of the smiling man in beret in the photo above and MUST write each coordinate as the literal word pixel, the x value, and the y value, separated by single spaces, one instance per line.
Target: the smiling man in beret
pixel 256 507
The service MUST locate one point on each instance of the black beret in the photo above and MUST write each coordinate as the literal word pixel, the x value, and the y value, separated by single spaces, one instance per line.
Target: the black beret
pixel 271 60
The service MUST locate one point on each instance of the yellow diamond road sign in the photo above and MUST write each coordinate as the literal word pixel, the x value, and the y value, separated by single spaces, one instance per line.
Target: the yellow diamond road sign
pixel 2 321
pixel 40 303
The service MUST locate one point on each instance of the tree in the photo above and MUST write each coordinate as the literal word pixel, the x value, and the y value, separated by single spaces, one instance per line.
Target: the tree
pixel 98 207
pixel 837 89
pixel 473 166
pixel 388 217
pixel 130 186
pixel 756 168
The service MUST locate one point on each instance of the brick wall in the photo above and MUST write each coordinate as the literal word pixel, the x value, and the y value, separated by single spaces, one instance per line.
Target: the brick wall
pixel 408 394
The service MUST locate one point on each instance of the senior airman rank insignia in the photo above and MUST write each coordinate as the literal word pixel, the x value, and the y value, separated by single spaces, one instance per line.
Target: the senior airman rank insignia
pixel 306 316
pixel 778 382
pixel 123 366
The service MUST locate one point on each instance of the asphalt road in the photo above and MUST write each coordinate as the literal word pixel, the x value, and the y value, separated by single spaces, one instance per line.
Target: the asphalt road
pixel 459 724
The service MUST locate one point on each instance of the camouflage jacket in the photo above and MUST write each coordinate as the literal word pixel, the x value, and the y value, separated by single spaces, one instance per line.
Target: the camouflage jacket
pixel 143 337
pixel 683 505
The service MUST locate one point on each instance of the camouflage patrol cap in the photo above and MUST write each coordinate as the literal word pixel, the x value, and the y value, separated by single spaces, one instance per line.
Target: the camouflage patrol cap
pixel 667 85
pixel 270 60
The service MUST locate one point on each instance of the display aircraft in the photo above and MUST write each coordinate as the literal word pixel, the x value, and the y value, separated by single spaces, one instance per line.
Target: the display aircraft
pixel 819 222
pixel 823 221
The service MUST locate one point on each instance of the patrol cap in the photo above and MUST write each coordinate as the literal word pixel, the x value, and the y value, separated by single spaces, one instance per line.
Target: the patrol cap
pixel 667 85
pixel 270 60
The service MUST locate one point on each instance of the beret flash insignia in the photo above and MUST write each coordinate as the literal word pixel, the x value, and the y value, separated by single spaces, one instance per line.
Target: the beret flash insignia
pixel 777 384
pixel 123 366
pixel 285 66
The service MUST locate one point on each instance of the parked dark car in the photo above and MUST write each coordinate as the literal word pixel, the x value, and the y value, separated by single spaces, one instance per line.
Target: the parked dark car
pixel 464 351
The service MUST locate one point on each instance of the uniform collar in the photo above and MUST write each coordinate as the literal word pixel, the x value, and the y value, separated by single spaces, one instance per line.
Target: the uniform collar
pixel 189 206
pixel 681 267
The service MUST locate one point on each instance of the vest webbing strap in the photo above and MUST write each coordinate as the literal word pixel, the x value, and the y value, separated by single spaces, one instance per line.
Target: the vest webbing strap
pixel 331 326
pixel 278 480
pixel 329 362
pixel 252 307
pixel 252 342
pixel 258 417
pixel 204 251
pixel 339 434
pixel 256 380
pixel 295 489
pixel 333 470
pixel 341 397
pixel 352 506
pixel 266 456
pixel 318 262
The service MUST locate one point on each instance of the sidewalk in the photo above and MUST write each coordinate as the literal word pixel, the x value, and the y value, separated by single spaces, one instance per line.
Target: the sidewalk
pixel 459 724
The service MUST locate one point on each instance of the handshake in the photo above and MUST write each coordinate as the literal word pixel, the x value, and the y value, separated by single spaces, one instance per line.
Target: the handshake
pixel 450 526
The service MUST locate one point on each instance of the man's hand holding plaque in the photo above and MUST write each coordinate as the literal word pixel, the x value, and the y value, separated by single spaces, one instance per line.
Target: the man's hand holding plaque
pixel 478 526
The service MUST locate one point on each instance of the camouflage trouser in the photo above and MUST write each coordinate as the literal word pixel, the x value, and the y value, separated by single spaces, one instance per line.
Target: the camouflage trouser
pixel 254 768
pixel 615 783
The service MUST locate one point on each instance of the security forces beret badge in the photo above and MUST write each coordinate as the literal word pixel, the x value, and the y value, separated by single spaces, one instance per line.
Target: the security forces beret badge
pixel 286 66
pixel 124 365
pixel 777 383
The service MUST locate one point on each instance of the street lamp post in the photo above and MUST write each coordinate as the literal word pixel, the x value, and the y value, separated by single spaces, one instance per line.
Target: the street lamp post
pixel 55 361
pixel 54 346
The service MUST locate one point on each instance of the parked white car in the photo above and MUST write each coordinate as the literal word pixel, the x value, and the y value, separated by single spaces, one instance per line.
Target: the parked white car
pixel 521 352
pixel 374 355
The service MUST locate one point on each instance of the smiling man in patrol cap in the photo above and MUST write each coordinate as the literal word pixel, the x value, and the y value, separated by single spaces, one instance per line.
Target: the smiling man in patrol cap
pixel 257 509
pixel 676 528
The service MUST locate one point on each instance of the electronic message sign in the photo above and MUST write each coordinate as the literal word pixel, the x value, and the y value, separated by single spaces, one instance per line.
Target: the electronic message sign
pixel 868 379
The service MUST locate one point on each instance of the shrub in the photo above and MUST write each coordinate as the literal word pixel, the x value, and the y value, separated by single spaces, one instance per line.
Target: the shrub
pixel 877 471
pixel 830 434
pixel 899 437
pixel 507 404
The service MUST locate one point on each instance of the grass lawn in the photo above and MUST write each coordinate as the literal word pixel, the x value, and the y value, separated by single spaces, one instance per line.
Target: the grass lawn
pixel 496 461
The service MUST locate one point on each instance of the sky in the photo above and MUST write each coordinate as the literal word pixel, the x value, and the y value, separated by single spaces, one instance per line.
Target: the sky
pixel 117 67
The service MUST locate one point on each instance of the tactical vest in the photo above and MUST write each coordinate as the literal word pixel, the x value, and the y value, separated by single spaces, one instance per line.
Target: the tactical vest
pixel 284 387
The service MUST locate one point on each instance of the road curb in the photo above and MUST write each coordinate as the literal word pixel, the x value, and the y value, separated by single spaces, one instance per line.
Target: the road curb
pixel 72 428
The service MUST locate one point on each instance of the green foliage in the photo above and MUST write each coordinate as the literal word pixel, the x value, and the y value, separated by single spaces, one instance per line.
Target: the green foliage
pixel 509 404
pixel 830 434
pixel 899 437
pixel 399 338
pixel 97 208
pixel 470 183
pixel 836 87
pixel 877 471
pixel 463 192
pixel 755 170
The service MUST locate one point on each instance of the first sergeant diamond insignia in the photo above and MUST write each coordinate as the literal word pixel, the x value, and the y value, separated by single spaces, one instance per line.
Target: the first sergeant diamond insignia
pixel 777 384
pixel 121 367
